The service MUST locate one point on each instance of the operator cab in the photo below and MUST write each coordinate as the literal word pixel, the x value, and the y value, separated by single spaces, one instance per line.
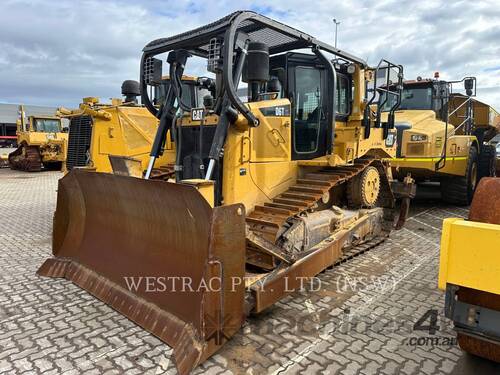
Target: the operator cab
pixel 303 79
pixel 433 94
pixel 249 47
pixel 422 94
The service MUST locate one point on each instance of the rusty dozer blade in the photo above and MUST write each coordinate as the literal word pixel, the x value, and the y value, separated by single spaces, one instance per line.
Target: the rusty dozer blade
pixel 156 252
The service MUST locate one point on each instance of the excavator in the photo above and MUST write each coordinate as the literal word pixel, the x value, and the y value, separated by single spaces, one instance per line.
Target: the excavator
pixel 443 136
pixel 42 142
pixel 104 137
pixel 268 190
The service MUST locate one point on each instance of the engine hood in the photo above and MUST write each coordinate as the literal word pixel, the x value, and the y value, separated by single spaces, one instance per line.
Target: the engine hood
pixel 416 118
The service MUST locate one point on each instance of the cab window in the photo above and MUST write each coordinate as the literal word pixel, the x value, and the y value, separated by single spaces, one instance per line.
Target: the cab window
pixel 342 95
pixel 162 90
pixel 47 125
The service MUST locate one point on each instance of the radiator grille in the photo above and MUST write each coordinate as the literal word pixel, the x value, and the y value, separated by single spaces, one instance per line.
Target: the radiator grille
pixel 416 149
pixel 80 132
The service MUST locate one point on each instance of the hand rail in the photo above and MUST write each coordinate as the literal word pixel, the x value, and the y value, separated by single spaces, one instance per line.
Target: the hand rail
pixel 468 117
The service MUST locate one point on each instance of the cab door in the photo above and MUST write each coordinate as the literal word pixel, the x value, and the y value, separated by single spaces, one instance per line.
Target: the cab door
pixel 307 92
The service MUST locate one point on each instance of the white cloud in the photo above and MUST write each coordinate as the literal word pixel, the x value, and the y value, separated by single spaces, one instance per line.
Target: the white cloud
pixel 56 52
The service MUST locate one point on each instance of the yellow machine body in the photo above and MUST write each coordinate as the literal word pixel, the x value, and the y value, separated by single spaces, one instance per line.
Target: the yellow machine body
pixel 469 255
pixel 52 144
pixel 119 129
pixel 267 191
pixel 116 130
pixel 258 161
pixel 420 157
pixel 41 141
pixel 469 269
pixel 485 116
pixel 443 137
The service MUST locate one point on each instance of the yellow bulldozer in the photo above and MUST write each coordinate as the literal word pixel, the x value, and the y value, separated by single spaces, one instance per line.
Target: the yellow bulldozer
pixel 442 136
pixel 42 142
pixel 469 272
pixel 106 137
pixel 268 191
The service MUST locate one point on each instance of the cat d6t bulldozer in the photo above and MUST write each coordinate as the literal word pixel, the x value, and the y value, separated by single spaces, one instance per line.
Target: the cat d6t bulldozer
pixel 269 190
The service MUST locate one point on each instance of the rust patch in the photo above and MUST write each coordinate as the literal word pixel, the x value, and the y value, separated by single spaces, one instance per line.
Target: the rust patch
pixel 485 207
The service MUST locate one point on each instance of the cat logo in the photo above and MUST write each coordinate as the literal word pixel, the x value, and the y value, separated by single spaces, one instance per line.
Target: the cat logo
pixel 197 114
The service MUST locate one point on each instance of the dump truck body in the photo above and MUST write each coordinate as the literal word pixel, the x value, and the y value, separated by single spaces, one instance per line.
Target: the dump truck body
pixel 469 268
pixel 41 142
pixel 266 192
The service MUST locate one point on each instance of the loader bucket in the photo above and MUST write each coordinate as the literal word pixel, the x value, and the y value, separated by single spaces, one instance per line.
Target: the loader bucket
pixel 156 252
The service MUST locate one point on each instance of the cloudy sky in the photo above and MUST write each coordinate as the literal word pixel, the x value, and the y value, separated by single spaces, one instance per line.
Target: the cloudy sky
pixel 54 52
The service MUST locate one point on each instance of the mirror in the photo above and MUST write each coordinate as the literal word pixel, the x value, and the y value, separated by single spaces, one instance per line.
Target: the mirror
pixel 469 86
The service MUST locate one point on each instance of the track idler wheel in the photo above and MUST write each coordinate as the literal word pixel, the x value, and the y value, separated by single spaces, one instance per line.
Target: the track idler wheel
pixel 363 190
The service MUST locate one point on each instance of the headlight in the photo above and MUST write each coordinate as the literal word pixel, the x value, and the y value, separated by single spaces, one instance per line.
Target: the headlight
pixel 418 137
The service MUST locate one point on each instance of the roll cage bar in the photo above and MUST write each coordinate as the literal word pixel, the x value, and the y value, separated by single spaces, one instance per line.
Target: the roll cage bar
pixel 279 37
pixel 231 34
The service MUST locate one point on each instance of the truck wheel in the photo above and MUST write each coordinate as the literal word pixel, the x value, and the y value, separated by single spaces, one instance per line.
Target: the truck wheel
pixel 487 162
pixel 459 190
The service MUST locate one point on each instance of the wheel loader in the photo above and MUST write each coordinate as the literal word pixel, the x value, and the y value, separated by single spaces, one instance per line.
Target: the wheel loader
pixel 105 137
pixel 442 136
pixel 469 272
pixel 42 142
pixel 268 191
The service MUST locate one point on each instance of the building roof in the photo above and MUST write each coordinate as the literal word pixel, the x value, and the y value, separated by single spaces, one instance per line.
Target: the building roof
pixel 9 112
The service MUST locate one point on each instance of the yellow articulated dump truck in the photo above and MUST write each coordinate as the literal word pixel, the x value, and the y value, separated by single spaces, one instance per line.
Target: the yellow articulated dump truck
pixel 42 142
pixel 104 136
pixel 268 191
pixel 469 272
pixel 442 136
